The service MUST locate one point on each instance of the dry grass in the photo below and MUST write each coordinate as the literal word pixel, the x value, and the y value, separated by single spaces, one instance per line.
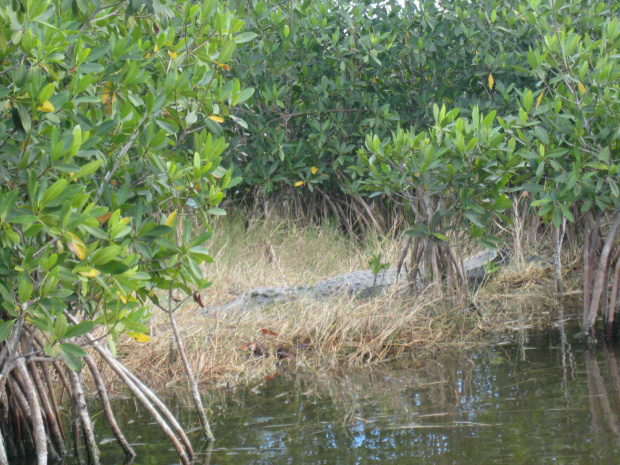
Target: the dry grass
pixel 317 336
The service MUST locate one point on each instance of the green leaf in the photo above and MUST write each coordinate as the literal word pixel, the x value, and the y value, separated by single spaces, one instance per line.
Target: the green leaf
pixel 5 329
pixel 245 37
pixel 105 255
pixel 226 52
pixel 567 213
pixel 53 191
pixel 7 203
pixel 24 290
pixel 201 253
pixel 60 327
pixel 71 354
pixel 79 329
pixel 88 168
pixel 46 93
pixel 112 267
pixel 528 100
pixel 216 211
pixel 157 231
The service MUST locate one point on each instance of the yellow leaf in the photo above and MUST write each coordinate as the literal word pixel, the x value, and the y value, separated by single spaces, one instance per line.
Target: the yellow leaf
pixel 540 97
pixel 103 218
pixel 299 183
pixel 408 34
pixel 107 92
pixel 374 79
pixel 217 119
pixel 222 65
pixel 139 337
pixel 47 107
pixel 171 218
pixel 156 49
pixel 314 170
pixel 172 54
pixel 168 43
pixel 582 88
pixel 89 273
pixel 121 296
pixel 148 55
pixel 76 246
pixel 491 81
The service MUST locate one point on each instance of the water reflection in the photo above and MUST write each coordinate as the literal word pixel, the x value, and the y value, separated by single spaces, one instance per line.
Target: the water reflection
pixel 542 402
pixel 494 407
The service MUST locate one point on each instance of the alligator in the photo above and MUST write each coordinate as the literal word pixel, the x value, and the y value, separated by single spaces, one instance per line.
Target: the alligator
pixel 359 284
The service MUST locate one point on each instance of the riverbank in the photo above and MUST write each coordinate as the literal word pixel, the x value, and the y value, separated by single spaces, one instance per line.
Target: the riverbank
pixel 228 349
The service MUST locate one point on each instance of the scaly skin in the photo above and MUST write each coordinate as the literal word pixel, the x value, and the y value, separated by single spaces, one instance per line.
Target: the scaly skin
pixel 357 284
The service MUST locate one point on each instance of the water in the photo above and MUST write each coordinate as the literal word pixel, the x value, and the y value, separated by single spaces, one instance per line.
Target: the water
pixel 527 404
pixel 535 403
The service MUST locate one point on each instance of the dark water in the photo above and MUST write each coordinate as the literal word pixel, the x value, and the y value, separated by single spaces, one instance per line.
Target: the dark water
pixel 534 403
pixel 527 404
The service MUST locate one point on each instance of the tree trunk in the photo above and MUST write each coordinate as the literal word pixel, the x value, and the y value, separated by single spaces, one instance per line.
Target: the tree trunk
pixel 38 430
pixel 589 254
pixel 75 378
pixel 50 416
pixel 3 457
pixel 559 235
pixel 613 302
pixel 599 283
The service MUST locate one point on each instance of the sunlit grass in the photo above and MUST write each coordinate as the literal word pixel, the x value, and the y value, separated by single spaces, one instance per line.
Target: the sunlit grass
pixel 232 348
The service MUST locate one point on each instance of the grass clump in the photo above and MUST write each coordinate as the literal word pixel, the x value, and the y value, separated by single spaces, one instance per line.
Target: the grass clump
pixel 228 348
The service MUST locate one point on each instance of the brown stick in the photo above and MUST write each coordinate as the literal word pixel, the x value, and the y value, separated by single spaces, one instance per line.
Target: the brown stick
pixel 191 379
pixel 38 430
pixel 416 256
pixel 50 389
pixel 613 300
pixel 140 395
pixel 403 256
pixel 436 277
pixel 588 326
pixel 360 215
pixel 150 395
pixel 107 408
pixel 587 231
pixel 10 347
pixel 370 213
pixel 76 428
pixel 145 396
pixel 559 235
pixel 589 254
pixel 3 457
pixel 75 378
pixel 20 400
pixel 456 266
pixel 50 417
pixel 58 368
pixel 604 295
pixel 337 211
